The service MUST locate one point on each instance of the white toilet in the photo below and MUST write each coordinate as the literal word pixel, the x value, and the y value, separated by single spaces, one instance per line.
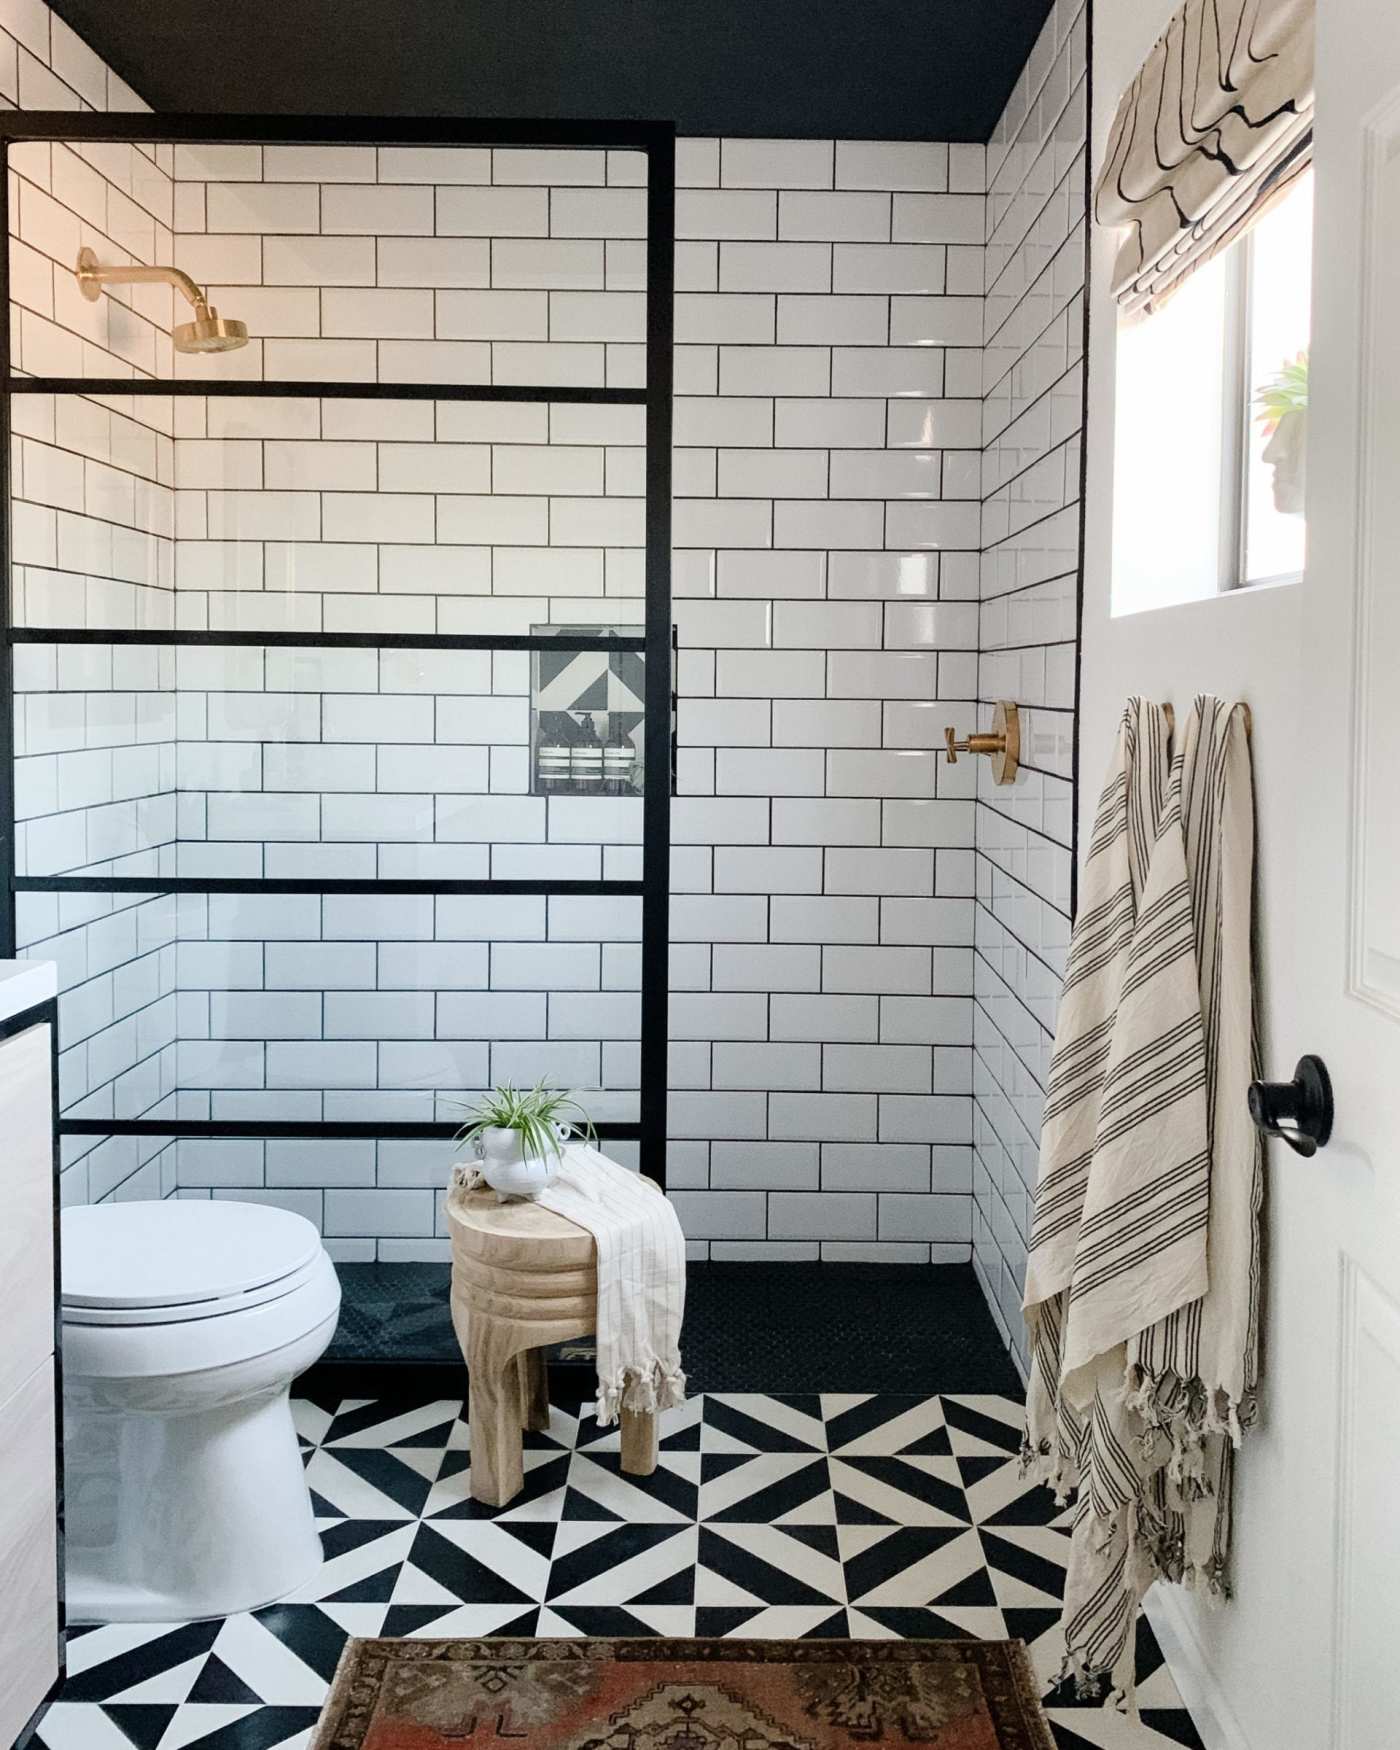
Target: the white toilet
pixel 184 1323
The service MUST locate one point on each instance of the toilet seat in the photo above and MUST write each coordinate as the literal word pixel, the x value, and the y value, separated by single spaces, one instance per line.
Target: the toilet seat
pixel 170 1262
pixel 132 1314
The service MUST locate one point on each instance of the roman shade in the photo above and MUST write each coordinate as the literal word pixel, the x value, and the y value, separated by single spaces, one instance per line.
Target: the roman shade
pixel 1213 128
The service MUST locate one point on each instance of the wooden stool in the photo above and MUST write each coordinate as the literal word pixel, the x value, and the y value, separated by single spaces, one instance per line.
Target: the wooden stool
pixel 523 1277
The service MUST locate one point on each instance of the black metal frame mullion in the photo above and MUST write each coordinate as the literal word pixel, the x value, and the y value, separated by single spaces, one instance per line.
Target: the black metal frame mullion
pixel 295 389
pixel 326 640
pixel 656 801
pixel 657 141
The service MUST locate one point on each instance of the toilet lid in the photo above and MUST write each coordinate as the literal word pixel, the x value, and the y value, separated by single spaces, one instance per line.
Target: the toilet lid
pixel 179 1253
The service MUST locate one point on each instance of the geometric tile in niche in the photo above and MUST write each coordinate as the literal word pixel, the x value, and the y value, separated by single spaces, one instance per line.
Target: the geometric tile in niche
pixel 586 717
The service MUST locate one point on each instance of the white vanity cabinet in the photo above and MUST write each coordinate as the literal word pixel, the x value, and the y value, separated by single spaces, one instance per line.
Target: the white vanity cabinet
pixel 31 1620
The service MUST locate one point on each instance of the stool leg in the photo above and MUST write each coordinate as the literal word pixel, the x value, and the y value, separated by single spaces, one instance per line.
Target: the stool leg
pixel 494 1413
pixel 638 1443
pixel 534 1390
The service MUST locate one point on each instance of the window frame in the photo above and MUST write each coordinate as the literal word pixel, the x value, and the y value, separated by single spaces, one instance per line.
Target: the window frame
pixel 1239 376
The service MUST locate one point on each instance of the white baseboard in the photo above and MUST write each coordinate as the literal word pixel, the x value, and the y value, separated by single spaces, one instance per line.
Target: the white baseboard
pixel 1175 1629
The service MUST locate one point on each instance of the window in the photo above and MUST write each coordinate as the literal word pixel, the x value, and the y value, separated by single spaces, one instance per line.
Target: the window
pixel 1211 414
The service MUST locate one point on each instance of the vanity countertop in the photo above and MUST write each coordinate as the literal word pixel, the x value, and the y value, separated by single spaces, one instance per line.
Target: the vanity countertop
pixel 24 983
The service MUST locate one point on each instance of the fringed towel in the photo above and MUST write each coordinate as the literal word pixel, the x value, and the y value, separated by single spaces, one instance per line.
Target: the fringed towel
pixel 1142 1285
pixel 641 1276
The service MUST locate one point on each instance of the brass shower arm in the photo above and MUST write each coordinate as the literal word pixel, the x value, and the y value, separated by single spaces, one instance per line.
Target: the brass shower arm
pixel 209 332
pixel 92 277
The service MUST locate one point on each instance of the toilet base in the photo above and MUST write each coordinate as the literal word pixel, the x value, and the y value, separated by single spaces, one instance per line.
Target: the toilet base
pixel 178 1513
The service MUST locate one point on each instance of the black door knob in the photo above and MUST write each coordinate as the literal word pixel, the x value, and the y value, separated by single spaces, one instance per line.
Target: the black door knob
pixel 1299 1111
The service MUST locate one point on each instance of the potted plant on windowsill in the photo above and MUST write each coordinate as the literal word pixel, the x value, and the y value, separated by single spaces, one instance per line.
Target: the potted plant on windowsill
pixel 1283 420
pixel 520 1136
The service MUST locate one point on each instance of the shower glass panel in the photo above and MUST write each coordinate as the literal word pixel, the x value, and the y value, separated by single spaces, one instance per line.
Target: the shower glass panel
pixel 298 632
pixel 399 775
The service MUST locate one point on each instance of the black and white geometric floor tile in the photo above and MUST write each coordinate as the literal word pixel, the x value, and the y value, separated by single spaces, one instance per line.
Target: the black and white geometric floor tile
pixel 839 1515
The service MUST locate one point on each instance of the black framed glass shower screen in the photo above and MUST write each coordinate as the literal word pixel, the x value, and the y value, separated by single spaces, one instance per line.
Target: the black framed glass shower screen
pixel 277 648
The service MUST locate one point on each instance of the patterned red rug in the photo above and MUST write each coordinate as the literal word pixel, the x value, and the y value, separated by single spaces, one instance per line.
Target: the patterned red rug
pixel 683 1695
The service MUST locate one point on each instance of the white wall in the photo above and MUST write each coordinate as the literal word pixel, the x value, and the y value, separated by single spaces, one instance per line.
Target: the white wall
pixel 1240 645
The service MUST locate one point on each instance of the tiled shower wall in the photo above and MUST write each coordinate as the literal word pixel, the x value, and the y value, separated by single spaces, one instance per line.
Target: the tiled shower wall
pixel 834 397
pixel 827 480
pixel 827 476
pixel 1033 415
pixel 93 536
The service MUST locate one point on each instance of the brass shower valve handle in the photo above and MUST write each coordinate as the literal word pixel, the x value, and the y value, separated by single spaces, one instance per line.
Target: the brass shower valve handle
pixel 1002 743
pixel 973 744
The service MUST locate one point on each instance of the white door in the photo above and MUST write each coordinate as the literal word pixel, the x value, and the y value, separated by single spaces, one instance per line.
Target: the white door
pixel 1336 1325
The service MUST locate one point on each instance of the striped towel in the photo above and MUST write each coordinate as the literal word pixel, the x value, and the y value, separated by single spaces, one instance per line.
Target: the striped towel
pixel 1142 1285
pixel 641 1276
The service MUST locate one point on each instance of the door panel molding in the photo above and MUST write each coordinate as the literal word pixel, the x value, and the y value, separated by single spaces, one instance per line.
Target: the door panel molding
pixel 1365 1530
pixel 1373 926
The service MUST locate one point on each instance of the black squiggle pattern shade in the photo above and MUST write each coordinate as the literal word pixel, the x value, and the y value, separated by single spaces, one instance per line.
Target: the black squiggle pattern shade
pixel 1215 125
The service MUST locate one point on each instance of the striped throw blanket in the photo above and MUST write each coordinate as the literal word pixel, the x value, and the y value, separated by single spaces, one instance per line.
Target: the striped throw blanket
pixel 1142 1284
pixel 641 1276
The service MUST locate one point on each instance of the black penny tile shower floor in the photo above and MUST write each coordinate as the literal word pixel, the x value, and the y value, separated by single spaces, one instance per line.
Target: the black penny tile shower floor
pixel 882 1327
pixel 782 1514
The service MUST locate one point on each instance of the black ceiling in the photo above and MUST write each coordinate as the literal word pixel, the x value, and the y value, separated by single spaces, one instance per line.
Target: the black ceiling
pixel 855 69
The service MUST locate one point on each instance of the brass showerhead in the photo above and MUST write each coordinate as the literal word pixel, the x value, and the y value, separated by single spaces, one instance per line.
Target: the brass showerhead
pixel 209 332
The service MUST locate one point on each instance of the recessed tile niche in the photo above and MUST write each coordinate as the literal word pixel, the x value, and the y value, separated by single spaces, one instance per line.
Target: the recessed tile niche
pixel 586 713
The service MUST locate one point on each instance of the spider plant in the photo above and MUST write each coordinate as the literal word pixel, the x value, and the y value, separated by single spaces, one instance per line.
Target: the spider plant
pixel 1284 394
pixel 536 1113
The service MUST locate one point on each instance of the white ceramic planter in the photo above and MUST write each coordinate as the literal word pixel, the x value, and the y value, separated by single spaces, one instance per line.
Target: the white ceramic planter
pixel 508 1171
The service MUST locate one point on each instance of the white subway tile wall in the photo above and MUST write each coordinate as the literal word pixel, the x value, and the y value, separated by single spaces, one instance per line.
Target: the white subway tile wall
pixel 93 544
pixel 1032 417
pixel 876 529
pixel 808 416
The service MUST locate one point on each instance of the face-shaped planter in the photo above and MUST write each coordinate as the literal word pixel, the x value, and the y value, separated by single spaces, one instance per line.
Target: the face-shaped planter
pixel 1287 454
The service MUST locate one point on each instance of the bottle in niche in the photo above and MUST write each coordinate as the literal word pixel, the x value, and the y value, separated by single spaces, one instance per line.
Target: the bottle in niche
pixel 553 765
pixel 586 757
pixel 553 756
pixel 619 761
